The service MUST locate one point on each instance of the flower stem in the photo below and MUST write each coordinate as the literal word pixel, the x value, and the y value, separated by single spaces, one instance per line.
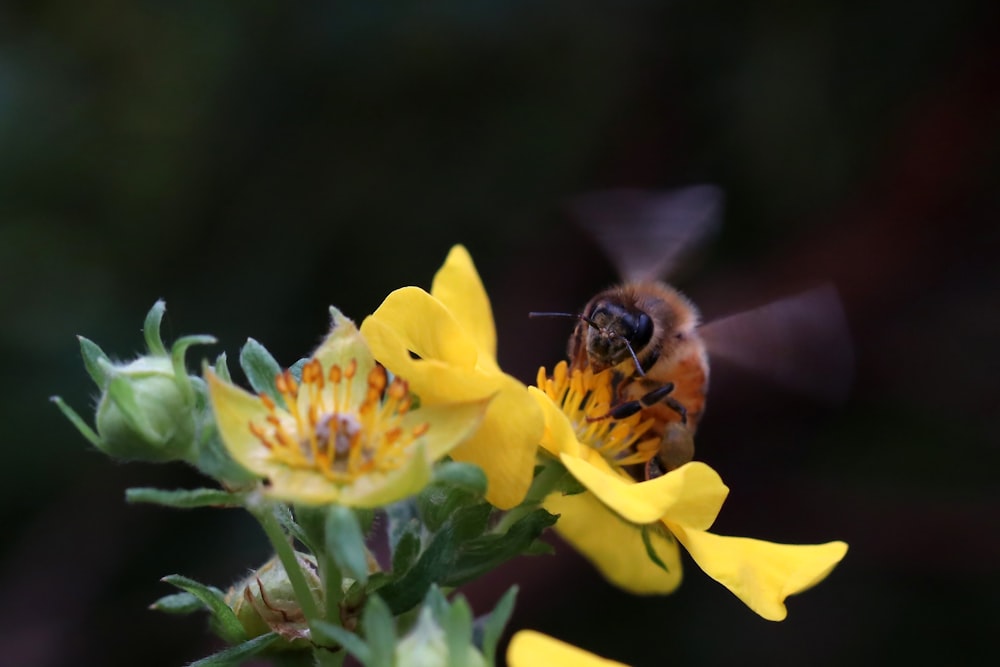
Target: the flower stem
pixel 289 561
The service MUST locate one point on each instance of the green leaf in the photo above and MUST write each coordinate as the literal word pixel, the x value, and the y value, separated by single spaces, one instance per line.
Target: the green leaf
pixel 228 626
pixel 478 556
pixel 346 543
pixel 380 631
pixel 408 590
pixel 405 555
pixel 234 655
pixel 651 552
pixel 494 625
pixel 93 356
pixel 470 522
pixel 308 525
pixel 329 634
pixel 178 603
pixel 184 498
pixel 261 369
pixel 151 329
pixel 437 502
pixel 465 476
pixel 403 518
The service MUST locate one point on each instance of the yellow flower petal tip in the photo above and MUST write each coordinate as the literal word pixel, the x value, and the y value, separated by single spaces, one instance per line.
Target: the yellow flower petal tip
pixel 761 574
pixel 528 648
pixel 444 344
pixel 343 432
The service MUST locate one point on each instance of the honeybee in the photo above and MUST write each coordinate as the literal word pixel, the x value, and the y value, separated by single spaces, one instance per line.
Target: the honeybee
pixel 651 337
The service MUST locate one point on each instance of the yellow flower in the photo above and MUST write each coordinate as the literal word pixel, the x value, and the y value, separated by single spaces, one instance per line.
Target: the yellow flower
pixel 528 648
pixel 607 522
pixel 345 433
pixel 444 343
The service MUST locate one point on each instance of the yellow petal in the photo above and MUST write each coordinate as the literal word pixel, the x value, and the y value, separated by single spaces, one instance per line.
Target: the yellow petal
pixel 559 435
pixel 615 546
pixel 761 574
pixel 504 446
pixel 528 648
pixel 458 287
pixel 691 495
pixel 425 327
pixel 432 379
pixel 234 410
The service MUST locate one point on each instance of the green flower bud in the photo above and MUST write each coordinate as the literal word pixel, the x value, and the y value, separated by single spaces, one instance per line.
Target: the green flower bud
pixel 265 600
pixel 426 645
pixel 150 409
pixel 146 412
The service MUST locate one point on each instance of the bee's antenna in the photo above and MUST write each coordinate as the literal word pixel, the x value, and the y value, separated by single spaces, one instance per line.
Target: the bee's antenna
pixel 575 316
pixel 638 366
pixel 611 334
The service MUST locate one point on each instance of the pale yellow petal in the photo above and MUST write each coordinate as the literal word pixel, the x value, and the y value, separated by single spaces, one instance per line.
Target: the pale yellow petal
pixel 458 287
pixel 299 485
pixel 505 445
pixel 380 489
pixel 424 327
pixel 761 574
pixel 615 546
pixel 528 648
pixel 433 380
pixel 691 495
pixel 449 424
pixel 234 409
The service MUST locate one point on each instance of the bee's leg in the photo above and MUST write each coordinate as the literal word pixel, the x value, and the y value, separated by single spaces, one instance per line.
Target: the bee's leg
pixel 629 408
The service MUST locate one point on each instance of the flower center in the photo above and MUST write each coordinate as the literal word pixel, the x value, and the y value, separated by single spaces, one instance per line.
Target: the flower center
pixel 325 428
pixel 586 398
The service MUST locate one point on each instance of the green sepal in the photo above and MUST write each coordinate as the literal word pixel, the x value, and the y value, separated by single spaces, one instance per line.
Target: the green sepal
pixel 307 525
pixel 224 619
pixel 82 426
pixel 177 354
pixel 235 655
pixel 95 361
pixel 121 394
pixel 151 329
pixel 327 633
pixel 213 459
pixel 346 542
pixel 380 632
pixel 296 368
pixel 493 626
pixel 184 498
pixel 178 603
pixel 221 368
pixel 457 625
pixel 261 369
pixel 651 552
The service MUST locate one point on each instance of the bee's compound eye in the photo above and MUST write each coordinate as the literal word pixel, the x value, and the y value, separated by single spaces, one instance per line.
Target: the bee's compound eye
pixel 643 330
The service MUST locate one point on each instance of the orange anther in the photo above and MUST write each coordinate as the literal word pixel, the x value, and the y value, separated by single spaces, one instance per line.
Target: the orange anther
pixel 352 368
pixel 335 374
pixel 421 429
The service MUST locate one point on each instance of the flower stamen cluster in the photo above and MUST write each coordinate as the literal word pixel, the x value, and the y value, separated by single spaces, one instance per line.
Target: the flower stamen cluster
pixel 585 398
pixel 324 430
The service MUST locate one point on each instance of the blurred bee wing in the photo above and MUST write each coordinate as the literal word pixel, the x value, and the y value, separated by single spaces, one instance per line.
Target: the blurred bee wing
pixel 801 342
pixel 645 234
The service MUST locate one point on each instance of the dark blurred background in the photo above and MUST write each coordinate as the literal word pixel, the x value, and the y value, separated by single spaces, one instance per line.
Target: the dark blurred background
pixel 253 163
